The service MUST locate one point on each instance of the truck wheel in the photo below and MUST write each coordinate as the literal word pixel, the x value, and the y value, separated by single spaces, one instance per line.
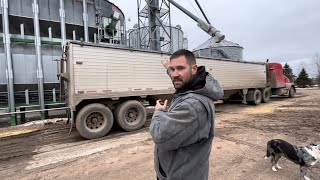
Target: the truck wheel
pixel 257 97
pixel 266 94
pixel 131 115
pixel 94 121
pixel 291 92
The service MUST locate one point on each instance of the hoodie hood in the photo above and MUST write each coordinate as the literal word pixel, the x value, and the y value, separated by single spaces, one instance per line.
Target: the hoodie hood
pixel 196 82
pixel 202 83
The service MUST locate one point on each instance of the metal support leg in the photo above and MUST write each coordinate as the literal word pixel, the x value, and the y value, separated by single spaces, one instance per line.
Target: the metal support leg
pixel 50 33
pixel 54 97
pixel 85 21
pixel 13 119
pixel 9 69
pixel 244 98
pixel 26 92
pixel 38 56
pixel 74 35
pixel 62 23
pixel 22 115
pixel 45 114
pixel 22 31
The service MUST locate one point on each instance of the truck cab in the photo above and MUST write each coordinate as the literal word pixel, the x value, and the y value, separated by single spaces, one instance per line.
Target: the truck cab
pixel 279 83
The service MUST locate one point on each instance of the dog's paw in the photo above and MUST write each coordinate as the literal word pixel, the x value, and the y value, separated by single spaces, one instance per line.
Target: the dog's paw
pixel 274 168
pixel 306 178
pixel 278 167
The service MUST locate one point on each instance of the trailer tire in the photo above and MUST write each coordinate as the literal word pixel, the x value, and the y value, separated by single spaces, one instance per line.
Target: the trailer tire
pixel 130 115
pixel 257 97
pixel 291 92
pixel 94 121
pixel 266 94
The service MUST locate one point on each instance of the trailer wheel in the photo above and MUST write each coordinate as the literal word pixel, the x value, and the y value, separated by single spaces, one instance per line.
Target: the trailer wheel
pixel 291 92
pixel 257 97
pixel 94 121
pixel 130 115
pixel 266 94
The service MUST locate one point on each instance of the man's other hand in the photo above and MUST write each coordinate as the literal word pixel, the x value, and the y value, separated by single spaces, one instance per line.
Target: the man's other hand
pixel 165 63
pixel 161 106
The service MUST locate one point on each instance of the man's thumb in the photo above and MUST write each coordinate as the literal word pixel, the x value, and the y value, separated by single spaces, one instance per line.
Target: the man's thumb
pixel 165 103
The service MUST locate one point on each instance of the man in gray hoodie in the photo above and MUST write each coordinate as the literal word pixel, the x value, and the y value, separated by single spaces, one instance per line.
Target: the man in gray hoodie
pixel 183 132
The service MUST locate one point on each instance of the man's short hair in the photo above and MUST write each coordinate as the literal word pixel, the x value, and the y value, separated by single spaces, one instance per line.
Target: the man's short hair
pixel 187 54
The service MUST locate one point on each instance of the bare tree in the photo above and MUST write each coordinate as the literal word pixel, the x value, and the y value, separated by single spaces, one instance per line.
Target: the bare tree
pixel 316 60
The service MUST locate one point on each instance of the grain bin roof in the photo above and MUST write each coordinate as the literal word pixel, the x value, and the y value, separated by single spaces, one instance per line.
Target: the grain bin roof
pixel 210 43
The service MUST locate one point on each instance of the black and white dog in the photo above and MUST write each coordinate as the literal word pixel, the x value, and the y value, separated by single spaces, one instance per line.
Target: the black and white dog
pixel 306 156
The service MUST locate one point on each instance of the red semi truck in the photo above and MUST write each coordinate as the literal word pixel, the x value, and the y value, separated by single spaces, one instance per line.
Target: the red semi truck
pixel 279 83
pixel 276 84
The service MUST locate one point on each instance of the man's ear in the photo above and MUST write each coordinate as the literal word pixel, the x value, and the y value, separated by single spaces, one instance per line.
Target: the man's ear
pixel 194 69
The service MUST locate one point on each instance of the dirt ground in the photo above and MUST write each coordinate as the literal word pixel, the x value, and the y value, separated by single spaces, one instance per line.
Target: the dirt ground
pixel 45 151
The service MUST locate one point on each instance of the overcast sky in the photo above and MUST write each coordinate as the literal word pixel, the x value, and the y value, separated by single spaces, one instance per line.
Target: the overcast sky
pixel 281 30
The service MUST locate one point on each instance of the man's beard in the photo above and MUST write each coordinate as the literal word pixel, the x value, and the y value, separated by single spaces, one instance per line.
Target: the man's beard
pixel 180 80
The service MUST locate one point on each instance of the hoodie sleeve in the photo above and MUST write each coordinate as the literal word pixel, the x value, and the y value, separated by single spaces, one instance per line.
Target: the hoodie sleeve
pixel 177 128
pixel 215 87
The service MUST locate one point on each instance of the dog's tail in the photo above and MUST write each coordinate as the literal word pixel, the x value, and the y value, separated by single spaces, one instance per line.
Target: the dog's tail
pixel 268 150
